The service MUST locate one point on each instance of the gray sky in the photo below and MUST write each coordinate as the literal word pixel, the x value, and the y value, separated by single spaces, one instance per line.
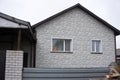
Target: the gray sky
pixel 37 10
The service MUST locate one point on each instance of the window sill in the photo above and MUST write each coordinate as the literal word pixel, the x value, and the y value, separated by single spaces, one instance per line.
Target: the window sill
pixel 60 52
pixel 96 52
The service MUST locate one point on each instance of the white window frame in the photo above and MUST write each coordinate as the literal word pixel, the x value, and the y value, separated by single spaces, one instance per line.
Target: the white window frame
pixel 95 48
pixel 71 44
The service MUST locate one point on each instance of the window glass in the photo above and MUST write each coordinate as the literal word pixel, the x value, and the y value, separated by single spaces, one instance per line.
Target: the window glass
pixel 61 45
pixel 93 45
pixel 57 45
pixel 98 46
pixel 67 45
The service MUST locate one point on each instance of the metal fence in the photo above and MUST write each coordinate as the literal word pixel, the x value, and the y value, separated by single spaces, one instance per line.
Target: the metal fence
pixel 65 74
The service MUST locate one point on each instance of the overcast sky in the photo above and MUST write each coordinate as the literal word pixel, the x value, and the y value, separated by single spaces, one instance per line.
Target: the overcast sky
pixel 35 11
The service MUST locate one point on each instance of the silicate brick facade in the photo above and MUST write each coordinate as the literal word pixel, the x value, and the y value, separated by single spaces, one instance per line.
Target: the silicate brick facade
pixel 14 65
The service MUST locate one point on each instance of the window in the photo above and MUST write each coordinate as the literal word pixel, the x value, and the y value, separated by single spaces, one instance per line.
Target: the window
pixel 96 46
pixel 118 62
pixel 61 45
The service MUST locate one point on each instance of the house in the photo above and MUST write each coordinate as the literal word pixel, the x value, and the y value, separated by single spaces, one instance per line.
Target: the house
pixel 74 44
pixel 75 38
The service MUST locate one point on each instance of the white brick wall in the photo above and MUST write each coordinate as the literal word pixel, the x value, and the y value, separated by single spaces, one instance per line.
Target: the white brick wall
pixel 82 28
pixel 14 65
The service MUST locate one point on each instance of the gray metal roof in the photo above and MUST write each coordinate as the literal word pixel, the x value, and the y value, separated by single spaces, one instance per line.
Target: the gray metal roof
pixel 13 19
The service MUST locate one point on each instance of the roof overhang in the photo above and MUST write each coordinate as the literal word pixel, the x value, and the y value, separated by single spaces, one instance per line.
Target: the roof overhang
pixel 21 24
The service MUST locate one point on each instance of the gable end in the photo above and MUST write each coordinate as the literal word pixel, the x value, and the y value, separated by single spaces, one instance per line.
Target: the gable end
pixel 116 31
